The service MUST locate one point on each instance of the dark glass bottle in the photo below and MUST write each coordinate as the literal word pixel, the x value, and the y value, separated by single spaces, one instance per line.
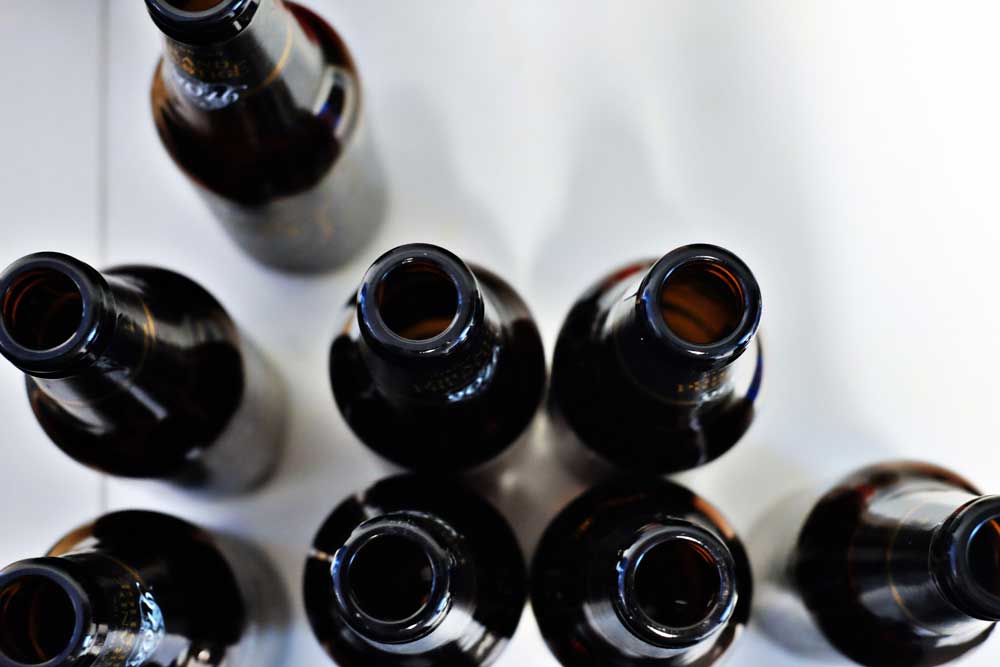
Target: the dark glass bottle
pixel 899 565
pixel 438 365
pixel 141 588
pixel 640 572
pixel 414 571
pixel 139 372
pixel 259 103
pixel 643 372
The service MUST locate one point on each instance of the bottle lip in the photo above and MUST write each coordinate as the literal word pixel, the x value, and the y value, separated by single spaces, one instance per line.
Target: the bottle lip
pixel 440 599
pixel 94 320
pixel 627 603
pixel 468 304
pixel 218 24
pixel 732 344
pixel 952 557
pixel 74 591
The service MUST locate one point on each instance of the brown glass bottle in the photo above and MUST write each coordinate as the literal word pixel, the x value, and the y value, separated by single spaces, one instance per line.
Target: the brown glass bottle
pixel 898 565
pixel 259 103
pixel 438 366
pixel 640 572
pixel 643 366
pixel 414 571
pixel 141 589
pixel 139 372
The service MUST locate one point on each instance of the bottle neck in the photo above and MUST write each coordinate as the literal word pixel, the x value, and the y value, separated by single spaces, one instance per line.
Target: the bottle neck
pixel 403 583
pixel 932 559
pixel 429 334
pixel 77 610
pixel 679 327
pixel 78 335
pixel 220 52
pixel 667 591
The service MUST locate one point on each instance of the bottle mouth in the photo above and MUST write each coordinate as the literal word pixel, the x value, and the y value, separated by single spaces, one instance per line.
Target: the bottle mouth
pixel 202 21
pixel 42 614
pixel 418 299
pixel 703 301
pixel 971 552
pixel 392 580
pixel 48 311
pixel 676 585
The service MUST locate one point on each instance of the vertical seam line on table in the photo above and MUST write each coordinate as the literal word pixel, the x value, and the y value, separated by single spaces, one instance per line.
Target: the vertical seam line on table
pixel 103 106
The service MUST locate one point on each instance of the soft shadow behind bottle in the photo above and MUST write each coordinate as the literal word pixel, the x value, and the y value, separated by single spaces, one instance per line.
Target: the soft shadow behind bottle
pixel 414 571
pixel 897 565
pixel 640 572
pixel 139 372
pixel 649 368
pixel 260 104
pixel 438 366
pixel 138 589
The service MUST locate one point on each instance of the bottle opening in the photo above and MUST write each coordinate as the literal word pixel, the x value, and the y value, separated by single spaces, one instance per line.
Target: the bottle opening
pixel 702 302
pixel 37 620
pixel 42 309
pixel 417 301
pixel 984 556
pixel 677 583
pixel 390 578
pixel 194 5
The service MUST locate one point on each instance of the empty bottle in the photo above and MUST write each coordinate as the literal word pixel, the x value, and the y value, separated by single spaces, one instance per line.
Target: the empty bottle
pixel 644 370
pixel 139 372
pixel 897 565
pixel 438 365
pixel 141 589
pixel 640 572
pixel 259 103
pixel 414 571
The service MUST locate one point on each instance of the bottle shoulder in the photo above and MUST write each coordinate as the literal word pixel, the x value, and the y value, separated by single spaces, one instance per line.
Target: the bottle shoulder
pixel 603 520
pixel 265 143
pixel 495 393
pixel 838 552
pixel 485 537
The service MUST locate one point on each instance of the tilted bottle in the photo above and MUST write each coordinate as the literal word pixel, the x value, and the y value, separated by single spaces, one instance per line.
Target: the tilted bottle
pixel 897 565
pixel 643 371
pixel 259 103
pixel 640 572
pixel 438 365
pixel 140 589
pixel 139 372
pixel 414 571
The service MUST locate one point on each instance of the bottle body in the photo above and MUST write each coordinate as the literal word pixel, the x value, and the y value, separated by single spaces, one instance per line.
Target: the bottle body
pixel 264 114
pixel 141 588
pixel 898 564
pixel 414 571
pixel 649 368
pixel 438 366
pixel 640 571
pixel 139 372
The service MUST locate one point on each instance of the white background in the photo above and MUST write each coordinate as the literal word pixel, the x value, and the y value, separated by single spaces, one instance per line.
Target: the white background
pixel 846 150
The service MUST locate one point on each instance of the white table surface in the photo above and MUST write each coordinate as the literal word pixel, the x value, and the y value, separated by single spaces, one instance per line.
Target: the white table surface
pixel 846 150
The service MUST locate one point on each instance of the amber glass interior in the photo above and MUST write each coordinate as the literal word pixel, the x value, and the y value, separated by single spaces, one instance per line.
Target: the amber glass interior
pixel 390 578
pixel 42 309
pixel 676 583
pixel 984 556
pixel 195 5
pixel 36 620
pixel 701 302
pixel 417 301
